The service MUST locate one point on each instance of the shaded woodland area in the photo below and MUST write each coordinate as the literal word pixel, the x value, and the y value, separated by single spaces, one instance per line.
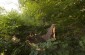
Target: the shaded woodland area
pixel 44 27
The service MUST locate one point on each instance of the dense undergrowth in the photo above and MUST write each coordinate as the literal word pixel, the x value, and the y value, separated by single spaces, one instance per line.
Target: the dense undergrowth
pixel 36 17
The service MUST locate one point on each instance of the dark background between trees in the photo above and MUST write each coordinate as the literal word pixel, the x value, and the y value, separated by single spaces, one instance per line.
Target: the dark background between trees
pixel 36 17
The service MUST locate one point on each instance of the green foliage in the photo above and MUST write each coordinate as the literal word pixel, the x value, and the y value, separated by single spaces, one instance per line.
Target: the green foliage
pixel 9 23
pixel 37 16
